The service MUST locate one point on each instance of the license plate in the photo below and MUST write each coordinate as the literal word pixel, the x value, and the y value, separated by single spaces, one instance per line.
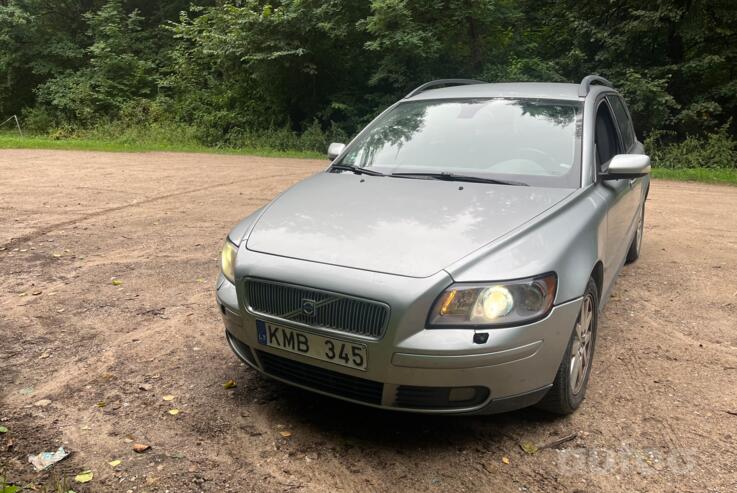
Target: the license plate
pixel 323 348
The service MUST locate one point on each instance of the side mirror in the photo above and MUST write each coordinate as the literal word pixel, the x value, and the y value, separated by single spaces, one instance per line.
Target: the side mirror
pixel 335 149
pixel 627 166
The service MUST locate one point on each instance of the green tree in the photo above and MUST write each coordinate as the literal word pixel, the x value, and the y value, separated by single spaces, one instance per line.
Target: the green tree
pixel 255 63
pixel 418 40
pixel 674 60
pixel 38 40
pixel 237 68
pixel 118 69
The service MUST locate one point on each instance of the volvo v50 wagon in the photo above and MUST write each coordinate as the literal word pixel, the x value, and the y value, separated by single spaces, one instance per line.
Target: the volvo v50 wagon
pixel 453 258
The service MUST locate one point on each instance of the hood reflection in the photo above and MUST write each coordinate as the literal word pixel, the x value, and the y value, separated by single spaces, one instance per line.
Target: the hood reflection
pixel 400 226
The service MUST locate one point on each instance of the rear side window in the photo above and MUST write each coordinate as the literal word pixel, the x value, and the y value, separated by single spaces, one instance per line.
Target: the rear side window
pixel 623 121
pixel 607 140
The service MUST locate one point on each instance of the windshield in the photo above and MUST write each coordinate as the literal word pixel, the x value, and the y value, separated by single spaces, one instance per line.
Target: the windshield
pixel 535 142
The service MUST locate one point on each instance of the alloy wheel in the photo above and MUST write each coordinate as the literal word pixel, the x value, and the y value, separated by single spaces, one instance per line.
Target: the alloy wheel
pixel 582 345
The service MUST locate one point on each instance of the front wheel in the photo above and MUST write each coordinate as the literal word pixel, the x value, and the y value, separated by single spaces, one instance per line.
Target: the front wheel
pixel 569 387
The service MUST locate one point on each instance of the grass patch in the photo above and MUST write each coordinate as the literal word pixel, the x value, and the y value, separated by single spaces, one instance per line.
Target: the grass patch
pixel 10 141
pixel 704 175
pixel 13 141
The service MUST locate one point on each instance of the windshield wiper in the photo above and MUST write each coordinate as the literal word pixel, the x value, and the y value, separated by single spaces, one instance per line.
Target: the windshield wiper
pixel 444 175
pixel 356 169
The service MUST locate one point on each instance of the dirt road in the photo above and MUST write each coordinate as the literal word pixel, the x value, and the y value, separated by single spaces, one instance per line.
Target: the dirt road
pixel 85 363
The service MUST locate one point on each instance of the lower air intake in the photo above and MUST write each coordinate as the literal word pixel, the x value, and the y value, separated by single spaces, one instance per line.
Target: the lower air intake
pixel 328 381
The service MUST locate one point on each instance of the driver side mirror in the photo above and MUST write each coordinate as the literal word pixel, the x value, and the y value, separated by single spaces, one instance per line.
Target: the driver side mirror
pixel 627 166
pixel 335 149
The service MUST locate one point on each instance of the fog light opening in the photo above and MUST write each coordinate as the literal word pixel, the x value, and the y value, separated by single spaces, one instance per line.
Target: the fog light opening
pixel 480 337
pixel 458 394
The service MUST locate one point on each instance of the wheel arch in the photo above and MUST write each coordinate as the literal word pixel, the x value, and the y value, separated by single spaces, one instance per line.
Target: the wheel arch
pixel 597 274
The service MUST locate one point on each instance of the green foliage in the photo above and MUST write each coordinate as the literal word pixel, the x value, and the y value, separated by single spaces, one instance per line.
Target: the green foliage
pixel 39 120
pixel 705 175
pixel 299 73
pixel 417 40
pixel 117 71
pixel 121 143
pixel 38 39
pixel 7 487
pixel 674 60
pixel 648 99
pixel 714 150
pixel 250 64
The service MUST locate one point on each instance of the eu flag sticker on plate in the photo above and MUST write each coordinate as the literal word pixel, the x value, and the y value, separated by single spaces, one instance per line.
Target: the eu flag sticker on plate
pixel 261 331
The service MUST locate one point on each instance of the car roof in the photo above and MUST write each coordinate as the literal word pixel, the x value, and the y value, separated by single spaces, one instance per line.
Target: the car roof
pixel 537 90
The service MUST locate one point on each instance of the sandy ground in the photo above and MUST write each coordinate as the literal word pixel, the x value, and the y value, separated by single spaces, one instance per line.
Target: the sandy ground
pixel 86 364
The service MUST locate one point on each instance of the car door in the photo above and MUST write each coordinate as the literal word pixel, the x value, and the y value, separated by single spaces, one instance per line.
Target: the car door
pixel 607 144
pixel 629 146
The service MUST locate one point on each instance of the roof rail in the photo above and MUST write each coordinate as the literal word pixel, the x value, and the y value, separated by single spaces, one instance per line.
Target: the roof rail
pixel 586 82
pixel 443 82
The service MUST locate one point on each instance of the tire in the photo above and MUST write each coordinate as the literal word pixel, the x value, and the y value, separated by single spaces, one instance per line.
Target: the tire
pixel 568 390
pixel 634 252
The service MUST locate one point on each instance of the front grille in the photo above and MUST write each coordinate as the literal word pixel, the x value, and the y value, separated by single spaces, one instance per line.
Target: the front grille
pixel 317 378
pixel 320 309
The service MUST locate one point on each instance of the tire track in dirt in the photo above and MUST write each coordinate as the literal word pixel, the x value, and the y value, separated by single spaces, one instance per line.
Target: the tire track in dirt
pixel 679 439
pixel 636 368
pixel 637 374
pixel 669 329
pixel 63 224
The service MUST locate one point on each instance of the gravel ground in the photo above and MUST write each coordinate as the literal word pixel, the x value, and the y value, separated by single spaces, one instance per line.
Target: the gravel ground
pixel 86 362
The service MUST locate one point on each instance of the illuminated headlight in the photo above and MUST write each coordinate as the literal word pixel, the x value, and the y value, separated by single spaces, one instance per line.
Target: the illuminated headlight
pixel 227 260
pixel 495 304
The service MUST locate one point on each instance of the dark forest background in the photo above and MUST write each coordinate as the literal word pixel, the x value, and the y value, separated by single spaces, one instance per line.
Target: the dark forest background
pixel 298 74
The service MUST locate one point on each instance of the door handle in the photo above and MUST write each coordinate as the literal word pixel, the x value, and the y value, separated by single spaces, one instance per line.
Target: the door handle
pixel 632 181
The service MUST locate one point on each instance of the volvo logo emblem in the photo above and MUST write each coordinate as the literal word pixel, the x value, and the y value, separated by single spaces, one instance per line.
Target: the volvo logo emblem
pixel 309 307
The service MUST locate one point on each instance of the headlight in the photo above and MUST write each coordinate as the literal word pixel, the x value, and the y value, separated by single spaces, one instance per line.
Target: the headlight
pixel 227 260
pixel 495 304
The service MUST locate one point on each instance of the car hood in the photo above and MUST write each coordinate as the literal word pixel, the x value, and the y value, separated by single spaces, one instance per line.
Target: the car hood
pixel 408 227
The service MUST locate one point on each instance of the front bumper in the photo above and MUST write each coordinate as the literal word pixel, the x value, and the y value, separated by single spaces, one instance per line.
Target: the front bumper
pixel 410 365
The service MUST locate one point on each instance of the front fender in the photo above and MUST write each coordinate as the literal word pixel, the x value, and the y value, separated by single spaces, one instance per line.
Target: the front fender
pixel 567 239
pixel 243 228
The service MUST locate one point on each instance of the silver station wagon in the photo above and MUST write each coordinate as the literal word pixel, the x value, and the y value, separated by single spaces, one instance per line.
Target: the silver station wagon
pixel 453 258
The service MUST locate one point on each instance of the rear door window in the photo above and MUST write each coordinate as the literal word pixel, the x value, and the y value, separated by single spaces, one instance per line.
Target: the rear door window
pixel 623 121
